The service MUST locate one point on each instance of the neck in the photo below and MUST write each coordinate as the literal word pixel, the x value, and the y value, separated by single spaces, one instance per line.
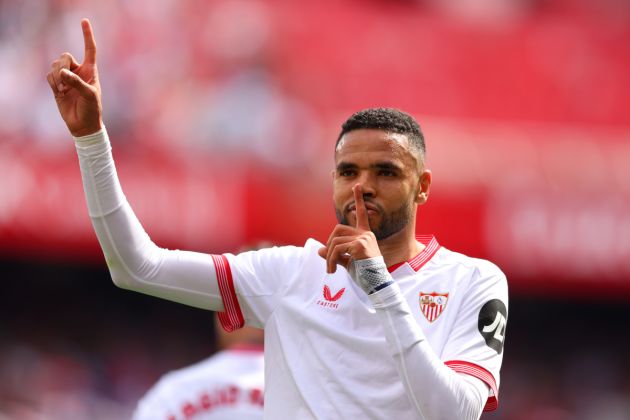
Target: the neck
pixel 400 247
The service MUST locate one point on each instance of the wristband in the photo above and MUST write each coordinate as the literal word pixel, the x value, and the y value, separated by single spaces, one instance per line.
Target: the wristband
pixel 371 274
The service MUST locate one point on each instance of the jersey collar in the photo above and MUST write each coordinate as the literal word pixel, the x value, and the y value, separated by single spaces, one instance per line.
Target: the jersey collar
pixel 431 246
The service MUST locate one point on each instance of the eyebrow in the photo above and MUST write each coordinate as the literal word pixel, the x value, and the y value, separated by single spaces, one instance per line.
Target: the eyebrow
pixel 386 165
pixel 344 166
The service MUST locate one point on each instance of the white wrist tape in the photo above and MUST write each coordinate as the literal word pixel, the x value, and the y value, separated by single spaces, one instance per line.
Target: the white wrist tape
pixel 371 274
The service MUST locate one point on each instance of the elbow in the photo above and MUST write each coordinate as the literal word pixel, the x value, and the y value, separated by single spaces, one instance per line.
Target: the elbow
pixel 461 401
pixel 119 275
pixel 121 279
pixel 135 274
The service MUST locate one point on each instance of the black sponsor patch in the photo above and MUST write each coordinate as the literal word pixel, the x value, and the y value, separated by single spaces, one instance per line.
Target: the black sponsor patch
pixel 492 324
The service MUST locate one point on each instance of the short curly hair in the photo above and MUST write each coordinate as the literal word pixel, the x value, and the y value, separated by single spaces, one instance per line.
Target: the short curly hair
pixel 387 119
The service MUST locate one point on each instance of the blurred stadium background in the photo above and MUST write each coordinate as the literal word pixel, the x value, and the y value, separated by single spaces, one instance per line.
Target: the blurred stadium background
pixel 223 116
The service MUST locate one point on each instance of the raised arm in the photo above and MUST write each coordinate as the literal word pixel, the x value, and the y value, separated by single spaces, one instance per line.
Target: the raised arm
pixel 134 261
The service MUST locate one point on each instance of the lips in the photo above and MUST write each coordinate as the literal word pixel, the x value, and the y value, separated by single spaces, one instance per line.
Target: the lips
pixel 368 206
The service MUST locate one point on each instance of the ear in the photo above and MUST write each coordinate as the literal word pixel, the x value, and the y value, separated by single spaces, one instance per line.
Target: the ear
pixel 424 186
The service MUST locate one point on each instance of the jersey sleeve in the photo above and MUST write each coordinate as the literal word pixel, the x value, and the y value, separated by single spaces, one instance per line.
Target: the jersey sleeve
pixel 475 345
pixel 252 283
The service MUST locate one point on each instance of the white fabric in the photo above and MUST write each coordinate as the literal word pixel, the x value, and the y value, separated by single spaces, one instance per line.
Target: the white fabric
pixel 134 261
pixel 226 386
pixel 329 352
pixel 449 394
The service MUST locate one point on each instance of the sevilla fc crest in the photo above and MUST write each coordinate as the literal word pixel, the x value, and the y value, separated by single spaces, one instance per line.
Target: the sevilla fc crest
pixel 432 304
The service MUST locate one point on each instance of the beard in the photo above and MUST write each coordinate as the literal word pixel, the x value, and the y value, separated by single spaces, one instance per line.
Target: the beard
pixel 391 223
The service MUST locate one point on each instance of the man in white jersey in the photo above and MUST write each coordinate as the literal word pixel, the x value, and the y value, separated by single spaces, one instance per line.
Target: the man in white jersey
pixel 375 323
pixel 228 385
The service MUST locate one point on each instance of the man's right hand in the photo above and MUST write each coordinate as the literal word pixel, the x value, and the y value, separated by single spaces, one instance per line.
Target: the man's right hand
pixel 76 88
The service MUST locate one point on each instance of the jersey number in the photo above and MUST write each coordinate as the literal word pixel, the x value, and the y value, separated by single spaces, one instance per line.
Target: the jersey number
pixel 492 323
pixel 498 326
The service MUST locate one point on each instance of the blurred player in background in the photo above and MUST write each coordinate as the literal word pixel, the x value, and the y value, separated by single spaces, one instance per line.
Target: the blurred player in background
pixel 226 386
pixel 375 323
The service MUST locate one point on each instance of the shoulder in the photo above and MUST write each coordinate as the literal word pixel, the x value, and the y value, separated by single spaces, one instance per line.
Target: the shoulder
pixel 478 270
pixel 312 245
pixel 215 366
pixel 278 253
pixel 203 369
pixel 169 386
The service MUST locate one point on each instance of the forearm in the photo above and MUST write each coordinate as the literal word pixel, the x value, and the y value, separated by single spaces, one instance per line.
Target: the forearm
pixel 134 261
pixel 435 391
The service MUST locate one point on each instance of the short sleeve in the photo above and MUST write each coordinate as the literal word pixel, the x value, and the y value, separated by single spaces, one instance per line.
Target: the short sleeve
pixel 475 345
pixel 252 283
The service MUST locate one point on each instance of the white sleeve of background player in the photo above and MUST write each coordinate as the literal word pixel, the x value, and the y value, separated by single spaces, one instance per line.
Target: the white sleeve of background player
pixel 134 261
pixel 435 391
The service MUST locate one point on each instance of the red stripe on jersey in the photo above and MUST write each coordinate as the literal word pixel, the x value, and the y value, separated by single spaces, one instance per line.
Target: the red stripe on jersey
pixel 232 317
pixel 431 247
pixel 479 373
pixel 393 268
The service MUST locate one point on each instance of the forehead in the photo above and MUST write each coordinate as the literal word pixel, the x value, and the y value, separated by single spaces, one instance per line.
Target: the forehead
pixel 371 143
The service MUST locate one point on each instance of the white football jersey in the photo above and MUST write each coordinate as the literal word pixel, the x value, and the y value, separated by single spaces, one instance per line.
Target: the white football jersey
pixel 226 386
pixel 325 349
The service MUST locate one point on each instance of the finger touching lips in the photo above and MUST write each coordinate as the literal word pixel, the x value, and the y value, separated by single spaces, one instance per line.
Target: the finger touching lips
pixel 369 206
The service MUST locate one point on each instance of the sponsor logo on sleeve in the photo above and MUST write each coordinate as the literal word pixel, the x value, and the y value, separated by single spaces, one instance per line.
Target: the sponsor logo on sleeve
pixel 492 324
pixel 432 304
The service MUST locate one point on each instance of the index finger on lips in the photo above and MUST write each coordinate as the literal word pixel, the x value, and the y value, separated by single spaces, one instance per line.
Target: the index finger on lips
pixel 89 42
pixel 361 212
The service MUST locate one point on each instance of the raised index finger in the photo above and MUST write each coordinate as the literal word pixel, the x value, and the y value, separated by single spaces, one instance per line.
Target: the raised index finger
pixel 361 212
pixel 89 42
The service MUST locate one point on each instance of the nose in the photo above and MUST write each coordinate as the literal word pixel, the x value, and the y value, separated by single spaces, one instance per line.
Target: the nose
pixel 368 184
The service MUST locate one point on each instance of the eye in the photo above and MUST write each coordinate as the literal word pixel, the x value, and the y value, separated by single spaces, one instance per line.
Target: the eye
pixel 386 172
pixel 347 172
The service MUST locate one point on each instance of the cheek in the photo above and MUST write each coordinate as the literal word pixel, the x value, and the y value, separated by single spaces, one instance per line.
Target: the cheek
pixel 338 194
pixel 396 190
pixel 401 195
